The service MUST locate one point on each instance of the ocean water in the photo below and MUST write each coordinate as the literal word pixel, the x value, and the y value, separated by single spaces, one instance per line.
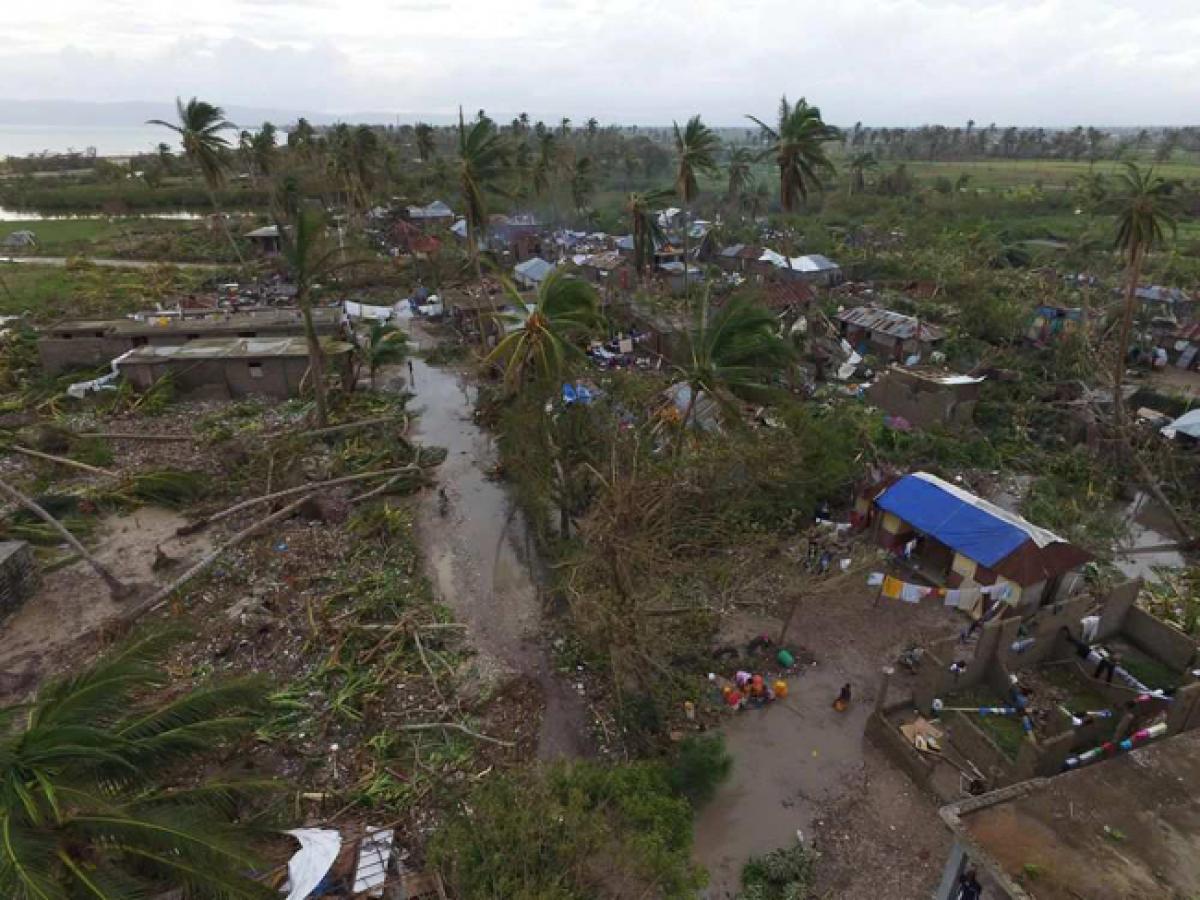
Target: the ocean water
pixel 109 140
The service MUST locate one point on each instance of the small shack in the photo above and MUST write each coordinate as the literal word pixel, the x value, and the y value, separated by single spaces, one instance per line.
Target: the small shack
pixel 434 216
pixel 265 240
pixel 234 367
pixel 19 240
pixel 954 538
pixel 531 273
pixel 889 334
pixel 927 397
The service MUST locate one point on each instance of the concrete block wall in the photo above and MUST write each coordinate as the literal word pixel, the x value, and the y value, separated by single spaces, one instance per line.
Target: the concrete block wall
pixel 1159 639
pixel 18 576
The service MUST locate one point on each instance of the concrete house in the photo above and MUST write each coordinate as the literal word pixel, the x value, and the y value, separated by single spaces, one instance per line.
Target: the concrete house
pixel 926 397
pixel 234 367
pixel 85 344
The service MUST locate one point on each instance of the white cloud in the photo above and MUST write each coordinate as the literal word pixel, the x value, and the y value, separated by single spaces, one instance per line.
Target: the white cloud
pixel 1046 62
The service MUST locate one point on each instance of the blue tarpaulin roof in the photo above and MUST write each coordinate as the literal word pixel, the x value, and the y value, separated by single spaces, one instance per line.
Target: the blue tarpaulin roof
pixel 963 522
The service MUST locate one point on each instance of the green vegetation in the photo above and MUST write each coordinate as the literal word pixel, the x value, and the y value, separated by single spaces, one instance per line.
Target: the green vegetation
pixel 785 874
pixel 572 832
pixel 97 799
pixel 81 290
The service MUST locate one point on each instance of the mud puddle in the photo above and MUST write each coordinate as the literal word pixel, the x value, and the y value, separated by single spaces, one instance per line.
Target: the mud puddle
pixel 73 601
pixel 791 758
pixel 480 556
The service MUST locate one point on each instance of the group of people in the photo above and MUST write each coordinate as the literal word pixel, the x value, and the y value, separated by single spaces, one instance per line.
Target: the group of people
pixel 751 689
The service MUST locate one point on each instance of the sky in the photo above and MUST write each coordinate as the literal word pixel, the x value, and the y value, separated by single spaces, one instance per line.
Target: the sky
pixel 882 62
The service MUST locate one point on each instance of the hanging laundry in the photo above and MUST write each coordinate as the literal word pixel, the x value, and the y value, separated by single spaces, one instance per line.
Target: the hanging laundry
pixel 892 587
pixel 953 597
pixel 875 579
pixel 912 593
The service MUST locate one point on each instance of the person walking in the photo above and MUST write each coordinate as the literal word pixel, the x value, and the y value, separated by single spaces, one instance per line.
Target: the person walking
pixel 412 380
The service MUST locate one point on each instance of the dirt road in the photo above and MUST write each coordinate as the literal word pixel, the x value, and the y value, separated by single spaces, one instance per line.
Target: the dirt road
pixel 61 261
pixel 480 558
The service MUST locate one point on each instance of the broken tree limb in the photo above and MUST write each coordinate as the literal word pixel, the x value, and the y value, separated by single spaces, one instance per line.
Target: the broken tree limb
pixel 116 587
pixel 338 429
pixel 291 492
pixel 132 436
pixel 454 726
pixel 160 597
pixel 62 461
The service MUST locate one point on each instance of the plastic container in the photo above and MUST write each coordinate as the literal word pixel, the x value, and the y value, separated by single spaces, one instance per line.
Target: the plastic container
pixel 785 659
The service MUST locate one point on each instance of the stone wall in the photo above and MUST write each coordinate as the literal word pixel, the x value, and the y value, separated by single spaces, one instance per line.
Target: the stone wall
pixel 1160 640
pixel 18 576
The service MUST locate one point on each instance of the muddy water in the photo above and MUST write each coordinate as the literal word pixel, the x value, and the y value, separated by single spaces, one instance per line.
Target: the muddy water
pixel 791 757
pixel 480 556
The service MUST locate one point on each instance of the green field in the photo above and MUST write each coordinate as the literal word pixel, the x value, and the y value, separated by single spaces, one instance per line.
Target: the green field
pixel 179 240
pixel 47 293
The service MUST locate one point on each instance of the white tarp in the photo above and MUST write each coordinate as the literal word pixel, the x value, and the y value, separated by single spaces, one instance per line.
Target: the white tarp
pixel 319 849
pixel 355 310
pixel 81 389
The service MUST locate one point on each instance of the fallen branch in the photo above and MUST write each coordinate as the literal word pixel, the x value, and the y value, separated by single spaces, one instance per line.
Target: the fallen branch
pixel 130 436
pixel 116 587
pixel 62 461
pixel 416 635
pixel 291 492
pixel 338 429
pixel 454 726
pixel 160 597
pixel 375 491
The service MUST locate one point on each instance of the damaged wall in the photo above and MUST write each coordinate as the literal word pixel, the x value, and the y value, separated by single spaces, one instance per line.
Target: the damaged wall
pixel 18 576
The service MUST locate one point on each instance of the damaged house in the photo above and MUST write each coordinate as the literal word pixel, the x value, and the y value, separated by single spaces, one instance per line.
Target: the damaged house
pixel 889 334
pixel 926 397
pixel 956 539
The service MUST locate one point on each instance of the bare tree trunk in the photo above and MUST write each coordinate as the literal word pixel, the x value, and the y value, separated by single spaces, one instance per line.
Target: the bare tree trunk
pixel 116 587
pixel 316 358
pixel 212 196
pixel 1135 274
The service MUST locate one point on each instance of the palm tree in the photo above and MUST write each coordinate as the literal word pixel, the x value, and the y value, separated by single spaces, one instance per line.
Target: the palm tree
pixel 858 165
pixel 547 162
pixel 593 126
pixel 482 159
pixel 199 129
pixel 426 148
pixel 730 351
pixel 1145 209
pixel 582 184
pixel 309 259
pixel 262 146
pixel 542 348
pixel 386 346
pixel 86 808
pixel 798 145
pixel 564 126
pixel 646 231
pixel 741 161
pixel 696 146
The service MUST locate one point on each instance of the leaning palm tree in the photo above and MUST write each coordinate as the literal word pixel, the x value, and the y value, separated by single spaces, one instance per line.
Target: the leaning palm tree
pixel 386 345
pixel 645 228
pixel 798 145
pixel 309 258
pixel 739 168
pixel 858 166
pixel 696 147
pixel 199 128
pixel 543 347
pixel 1145 209
pixel 100 793
pixel 482 160
pixel 730 351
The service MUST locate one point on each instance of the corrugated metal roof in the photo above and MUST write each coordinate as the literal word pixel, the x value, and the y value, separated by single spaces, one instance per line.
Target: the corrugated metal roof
pixel 890 323
pixel 535 269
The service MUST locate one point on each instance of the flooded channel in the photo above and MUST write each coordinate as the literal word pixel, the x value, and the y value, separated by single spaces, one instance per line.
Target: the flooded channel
pixel 480 556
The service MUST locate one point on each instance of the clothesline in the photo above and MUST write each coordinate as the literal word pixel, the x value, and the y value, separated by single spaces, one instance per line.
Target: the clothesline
pixel 968 599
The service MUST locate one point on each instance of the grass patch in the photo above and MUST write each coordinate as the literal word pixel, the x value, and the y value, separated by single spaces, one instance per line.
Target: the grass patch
pixel 1004 731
